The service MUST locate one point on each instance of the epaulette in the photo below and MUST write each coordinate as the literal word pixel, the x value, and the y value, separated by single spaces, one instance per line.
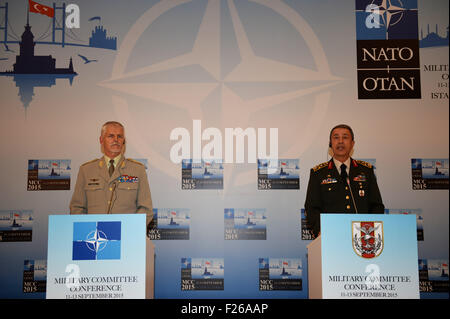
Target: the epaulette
pixel 94 160
pixel 366 164
pixel 316 168
pixel 134 161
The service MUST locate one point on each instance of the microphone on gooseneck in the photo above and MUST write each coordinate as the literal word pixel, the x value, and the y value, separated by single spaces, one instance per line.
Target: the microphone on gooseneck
pixel 113 191
pixel 345 178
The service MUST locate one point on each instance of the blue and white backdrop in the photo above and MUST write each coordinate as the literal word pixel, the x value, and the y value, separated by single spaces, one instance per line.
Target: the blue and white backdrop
pixel 158 65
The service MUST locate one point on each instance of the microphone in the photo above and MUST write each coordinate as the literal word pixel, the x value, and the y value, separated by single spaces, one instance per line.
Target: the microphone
pixel 114 186
pixel 347 181
pixel 353 198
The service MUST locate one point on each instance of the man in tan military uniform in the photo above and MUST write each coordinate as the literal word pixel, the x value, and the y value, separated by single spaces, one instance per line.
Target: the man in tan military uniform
pixel 112 184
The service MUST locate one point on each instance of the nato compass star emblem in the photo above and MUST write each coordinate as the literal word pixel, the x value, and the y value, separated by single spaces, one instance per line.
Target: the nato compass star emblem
pixel 96 240
pixel 389 13
pixel 386 19
pixel 210 65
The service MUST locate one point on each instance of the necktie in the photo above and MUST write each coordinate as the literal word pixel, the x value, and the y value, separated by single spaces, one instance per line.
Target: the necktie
pixel 344 172
pixel 111 167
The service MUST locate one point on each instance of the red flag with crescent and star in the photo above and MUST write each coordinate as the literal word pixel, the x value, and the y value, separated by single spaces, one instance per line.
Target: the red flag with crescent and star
pixel 41 9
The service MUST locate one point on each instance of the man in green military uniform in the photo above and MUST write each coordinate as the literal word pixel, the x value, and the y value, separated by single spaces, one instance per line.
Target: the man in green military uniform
pixel 341 185
pixel 112 184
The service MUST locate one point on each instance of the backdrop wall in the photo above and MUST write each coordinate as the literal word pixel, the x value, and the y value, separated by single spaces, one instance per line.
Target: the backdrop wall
pixel 159 65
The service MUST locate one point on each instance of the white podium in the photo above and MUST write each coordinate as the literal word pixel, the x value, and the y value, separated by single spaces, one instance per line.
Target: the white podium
pixel 99 256
pixel 364 256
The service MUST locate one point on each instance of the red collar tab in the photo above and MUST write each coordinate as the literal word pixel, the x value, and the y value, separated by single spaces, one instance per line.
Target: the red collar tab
pixel 330 164
pixel 355 164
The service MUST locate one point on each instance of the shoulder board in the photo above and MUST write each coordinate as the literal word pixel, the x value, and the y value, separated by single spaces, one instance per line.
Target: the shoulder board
pixel 366 164
pixel 316 168
pixel 134 161
pixel 94 160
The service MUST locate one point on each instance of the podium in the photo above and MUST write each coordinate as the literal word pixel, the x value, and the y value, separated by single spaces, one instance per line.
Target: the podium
pixel 364 256
pixel 99 256
pixel 149 269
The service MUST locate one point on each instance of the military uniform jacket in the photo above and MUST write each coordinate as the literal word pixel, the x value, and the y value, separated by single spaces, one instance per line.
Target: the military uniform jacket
pixel 328 193
pixel 126 192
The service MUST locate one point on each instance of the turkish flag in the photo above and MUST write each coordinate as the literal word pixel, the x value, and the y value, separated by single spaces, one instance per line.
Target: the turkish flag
pixel 39 8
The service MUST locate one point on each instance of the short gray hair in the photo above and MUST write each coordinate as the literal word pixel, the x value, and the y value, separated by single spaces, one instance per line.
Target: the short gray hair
pixel 103 130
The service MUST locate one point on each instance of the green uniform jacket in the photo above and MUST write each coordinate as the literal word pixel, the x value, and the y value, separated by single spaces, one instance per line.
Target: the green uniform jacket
pixel 328 193
pixel 126 192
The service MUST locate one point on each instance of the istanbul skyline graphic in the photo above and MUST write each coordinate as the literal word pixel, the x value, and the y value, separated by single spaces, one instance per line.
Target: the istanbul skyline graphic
pixel 30 70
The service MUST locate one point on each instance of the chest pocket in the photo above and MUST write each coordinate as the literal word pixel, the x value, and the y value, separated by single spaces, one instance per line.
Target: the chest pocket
pixel 328 192
pixel 94 185
pixel 127 194
pixel 94 193
pixel 128 186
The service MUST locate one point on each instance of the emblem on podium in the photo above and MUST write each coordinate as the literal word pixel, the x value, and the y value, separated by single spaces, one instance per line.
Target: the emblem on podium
pixel 367 238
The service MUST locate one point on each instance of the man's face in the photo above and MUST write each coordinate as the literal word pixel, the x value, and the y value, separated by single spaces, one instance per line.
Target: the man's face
pixel 113 140
pixel 341 143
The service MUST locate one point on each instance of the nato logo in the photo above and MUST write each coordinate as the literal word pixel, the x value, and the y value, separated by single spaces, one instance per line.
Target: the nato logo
pixel 96 240
pixel 386 19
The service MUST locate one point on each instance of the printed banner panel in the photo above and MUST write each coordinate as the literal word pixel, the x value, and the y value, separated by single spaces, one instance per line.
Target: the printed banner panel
pixel 369 256
pixel 96 256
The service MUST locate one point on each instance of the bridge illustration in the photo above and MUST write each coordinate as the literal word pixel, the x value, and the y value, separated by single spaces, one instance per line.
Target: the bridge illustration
pixel 57 31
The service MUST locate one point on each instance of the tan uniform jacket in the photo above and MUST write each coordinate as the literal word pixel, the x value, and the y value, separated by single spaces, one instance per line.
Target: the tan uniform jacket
pixel 126 192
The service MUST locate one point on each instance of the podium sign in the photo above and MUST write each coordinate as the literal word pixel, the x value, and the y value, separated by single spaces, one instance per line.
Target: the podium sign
pixel 369 256
pixel 96 256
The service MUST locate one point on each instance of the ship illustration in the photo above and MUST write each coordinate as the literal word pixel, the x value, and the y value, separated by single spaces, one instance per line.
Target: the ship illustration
pixel 206 173
pixel 437 172
pixel 249 223
pixel 283 173
pixel 172 223
pixel 285 273
pixel 15 224
pixel 53 173
pixel 207 273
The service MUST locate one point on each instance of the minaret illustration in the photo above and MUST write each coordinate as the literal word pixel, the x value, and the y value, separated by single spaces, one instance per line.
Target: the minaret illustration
pixel 28 63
